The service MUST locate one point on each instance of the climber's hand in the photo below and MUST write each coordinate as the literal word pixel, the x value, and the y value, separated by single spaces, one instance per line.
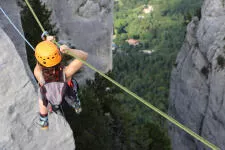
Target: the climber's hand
pixel 50 38
pixel 63 48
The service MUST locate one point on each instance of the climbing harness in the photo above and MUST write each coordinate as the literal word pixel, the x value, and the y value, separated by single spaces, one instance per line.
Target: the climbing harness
pixel 172 120
pixel 55 89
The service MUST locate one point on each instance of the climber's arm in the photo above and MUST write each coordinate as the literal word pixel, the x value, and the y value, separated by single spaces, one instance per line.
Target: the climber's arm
pixel 76 64
pixel 37 74
pixel 37 71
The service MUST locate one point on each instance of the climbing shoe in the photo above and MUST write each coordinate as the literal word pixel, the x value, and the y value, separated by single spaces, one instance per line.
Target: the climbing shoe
pixel 43 122
pixel 77 107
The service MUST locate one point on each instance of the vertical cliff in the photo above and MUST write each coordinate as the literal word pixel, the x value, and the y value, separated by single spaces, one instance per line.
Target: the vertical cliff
pixel 87 24
pixel 19 107
pixel 18 95
pixel 13 10
pixel 198 80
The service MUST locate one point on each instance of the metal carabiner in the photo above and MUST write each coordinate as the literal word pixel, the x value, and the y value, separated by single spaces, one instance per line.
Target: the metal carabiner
pixel 43 35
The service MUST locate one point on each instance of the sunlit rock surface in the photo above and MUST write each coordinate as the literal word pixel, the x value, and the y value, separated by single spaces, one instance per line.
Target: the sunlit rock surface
pixel 13 11
pixel 87 24
pixel 19 107
pixel 198 81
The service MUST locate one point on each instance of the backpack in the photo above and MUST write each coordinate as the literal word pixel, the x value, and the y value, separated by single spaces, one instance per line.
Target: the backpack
pixel 55 92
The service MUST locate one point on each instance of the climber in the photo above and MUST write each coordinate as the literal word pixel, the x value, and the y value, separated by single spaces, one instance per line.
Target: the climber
pixel 49 71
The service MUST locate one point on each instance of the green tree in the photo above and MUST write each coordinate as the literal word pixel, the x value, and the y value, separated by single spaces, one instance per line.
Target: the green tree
pixel 106 122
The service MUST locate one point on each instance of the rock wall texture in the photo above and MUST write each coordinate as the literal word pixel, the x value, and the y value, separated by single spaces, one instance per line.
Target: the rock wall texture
pixel 13 11
pixel 197 95
pixel 87 24
pixel 19 107
pixel 18 95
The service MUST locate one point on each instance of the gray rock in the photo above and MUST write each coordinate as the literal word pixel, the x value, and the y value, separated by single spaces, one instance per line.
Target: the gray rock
pixel 89 9
pixel 87 24
pixel 13 11
pixel 19 107
pixel 11 8
pixel 197 82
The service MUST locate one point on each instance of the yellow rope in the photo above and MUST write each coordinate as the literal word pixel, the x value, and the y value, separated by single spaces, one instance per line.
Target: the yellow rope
pixel 212 146
pixel 150 105
pixel 35 16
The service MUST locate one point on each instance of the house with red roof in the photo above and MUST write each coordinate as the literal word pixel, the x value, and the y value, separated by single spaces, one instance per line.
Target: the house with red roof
pixel 133 42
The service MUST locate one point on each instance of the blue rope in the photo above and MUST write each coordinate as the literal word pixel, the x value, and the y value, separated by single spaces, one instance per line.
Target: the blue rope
pixel 16 28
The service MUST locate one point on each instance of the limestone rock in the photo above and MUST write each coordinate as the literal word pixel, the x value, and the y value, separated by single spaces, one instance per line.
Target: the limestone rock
pixel 89 9
pixel 13 11
pixel 197 81
pixel 19 107
pixel 87 24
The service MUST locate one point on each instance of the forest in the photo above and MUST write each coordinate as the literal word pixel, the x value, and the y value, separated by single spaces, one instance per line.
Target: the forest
pixel 161 32
pixel 112 119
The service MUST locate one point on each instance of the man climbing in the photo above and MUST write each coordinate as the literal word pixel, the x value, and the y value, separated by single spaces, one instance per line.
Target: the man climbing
pixel 49 70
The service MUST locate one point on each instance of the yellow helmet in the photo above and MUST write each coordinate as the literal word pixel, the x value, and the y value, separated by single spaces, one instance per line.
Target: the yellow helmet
pixel 47 54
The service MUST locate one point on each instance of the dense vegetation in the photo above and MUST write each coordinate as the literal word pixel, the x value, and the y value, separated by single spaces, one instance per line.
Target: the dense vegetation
pixel 161 32
pixel 110 118
pixel 104 124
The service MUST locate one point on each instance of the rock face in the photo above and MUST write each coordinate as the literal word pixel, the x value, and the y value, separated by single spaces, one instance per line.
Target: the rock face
pixel 18 97
pixel 12 10
pixel 19 106
pixel 88 24
pixel 197 97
